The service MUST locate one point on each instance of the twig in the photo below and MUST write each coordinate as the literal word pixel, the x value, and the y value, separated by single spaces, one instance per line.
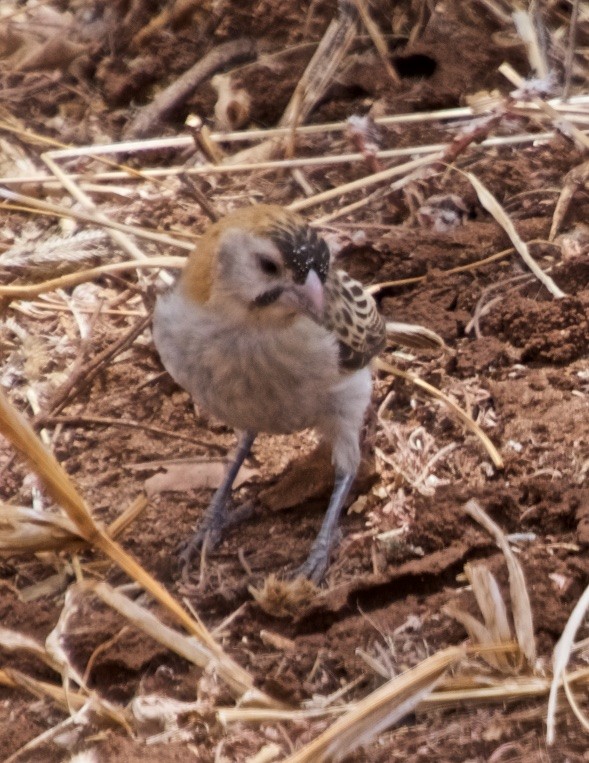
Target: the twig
pixel 202 200
pixel 150 117
pixel 83 375
pixel 112 422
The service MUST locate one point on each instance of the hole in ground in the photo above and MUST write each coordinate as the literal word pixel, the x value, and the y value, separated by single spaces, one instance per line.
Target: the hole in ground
pixel 415 66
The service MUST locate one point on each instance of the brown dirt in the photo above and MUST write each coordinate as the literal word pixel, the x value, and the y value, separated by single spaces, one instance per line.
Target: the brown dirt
pixel 524 376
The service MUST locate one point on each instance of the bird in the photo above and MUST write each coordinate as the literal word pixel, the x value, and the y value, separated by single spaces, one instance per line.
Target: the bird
pixel 267 335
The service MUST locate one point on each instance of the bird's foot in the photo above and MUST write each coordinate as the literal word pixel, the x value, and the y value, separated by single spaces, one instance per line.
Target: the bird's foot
pixel 316 564
pixel 207 535
pixel 210 531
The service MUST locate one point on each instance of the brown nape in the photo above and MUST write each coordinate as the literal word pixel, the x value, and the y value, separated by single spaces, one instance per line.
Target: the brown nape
pixel 196 280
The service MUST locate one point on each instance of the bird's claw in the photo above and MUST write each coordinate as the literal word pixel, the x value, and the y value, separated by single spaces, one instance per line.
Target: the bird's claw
pixel 316 564
pixel 209 533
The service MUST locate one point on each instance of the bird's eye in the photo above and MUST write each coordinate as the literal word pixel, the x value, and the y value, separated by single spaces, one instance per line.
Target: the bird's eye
pixel 268 266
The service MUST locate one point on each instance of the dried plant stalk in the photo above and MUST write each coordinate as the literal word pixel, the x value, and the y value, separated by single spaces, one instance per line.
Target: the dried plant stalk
pixel 185 646
pixel 87 217
pixel 378 39
pixel 492 206
pixel 524 23
pixel 575 179
pixel 68 700
pixel 356 185
pixel 62 490
pixel 311 87
pixel 379 710
pixel 520 600
pixel 562 653
pixel 29 291
pixel 565 127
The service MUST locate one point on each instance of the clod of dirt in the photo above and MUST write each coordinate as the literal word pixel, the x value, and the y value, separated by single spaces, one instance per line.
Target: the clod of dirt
pixel 554 332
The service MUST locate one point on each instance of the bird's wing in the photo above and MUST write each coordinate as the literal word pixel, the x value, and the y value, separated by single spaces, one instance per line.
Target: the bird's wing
pixel 413 336
pixel 351 313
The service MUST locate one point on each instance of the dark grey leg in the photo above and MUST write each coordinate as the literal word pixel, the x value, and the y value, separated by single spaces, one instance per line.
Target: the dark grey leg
pixel 216 516
pixel 318 560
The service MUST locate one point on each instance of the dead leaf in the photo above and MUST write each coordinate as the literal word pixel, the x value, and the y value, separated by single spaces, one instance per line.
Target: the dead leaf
pixel 180 478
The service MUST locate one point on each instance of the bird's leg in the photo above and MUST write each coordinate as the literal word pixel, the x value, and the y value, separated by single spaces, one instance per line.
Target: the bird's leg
pixel 318 560
pixel 216 516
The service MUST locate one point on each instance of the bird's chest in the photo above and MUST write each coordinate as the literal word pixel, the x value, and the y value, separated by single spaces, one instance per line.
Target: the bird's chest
pixel 273 380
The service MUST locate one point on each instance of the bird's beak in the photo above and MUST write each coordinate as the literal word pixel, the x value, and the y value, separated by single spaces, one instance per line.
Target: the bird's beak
pixel 307 298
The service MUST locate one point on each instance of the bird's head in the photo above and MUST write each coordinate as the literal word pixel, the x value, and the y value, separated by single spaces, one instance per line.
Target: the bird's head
pixel 261 263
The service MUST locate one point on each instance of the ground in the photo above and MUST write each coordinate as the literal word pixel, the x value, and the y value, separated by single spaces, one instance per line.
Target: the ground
pixel 516 360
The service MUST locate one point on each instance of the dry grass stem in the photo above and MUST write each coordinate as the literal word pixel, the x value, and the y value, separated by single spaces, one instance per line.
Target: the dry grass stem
pixel 520 600
pixel 366 182
pixel 496 629
pixel 564 126
pixel 99 220
pixel 570 49
pixel 527 31
pixel 128 516
pixel 574 105
pixel 454 691
pixel 249 166
pixel 378 711
pixel 70 700
pixel 414 336
pixel 25 530
pixel 29 291
pixel 375 288
pixel 377 38
pixel 186 646
pixel 76 192
pixel 439 395
pixel 311 87
pixel 13 641
pixel 492 206
pixel 228 715
pixel 490 601
pixel 506 689
pixel 480 635
pixel 267 754
pixel 574 180
pixel 123 423
pixel 560 659
pixel 62 490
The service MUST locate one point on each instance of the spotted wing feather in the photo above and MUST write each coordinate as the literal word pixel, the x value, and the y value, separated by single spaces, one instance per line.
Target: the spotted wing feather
pixel 351 313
